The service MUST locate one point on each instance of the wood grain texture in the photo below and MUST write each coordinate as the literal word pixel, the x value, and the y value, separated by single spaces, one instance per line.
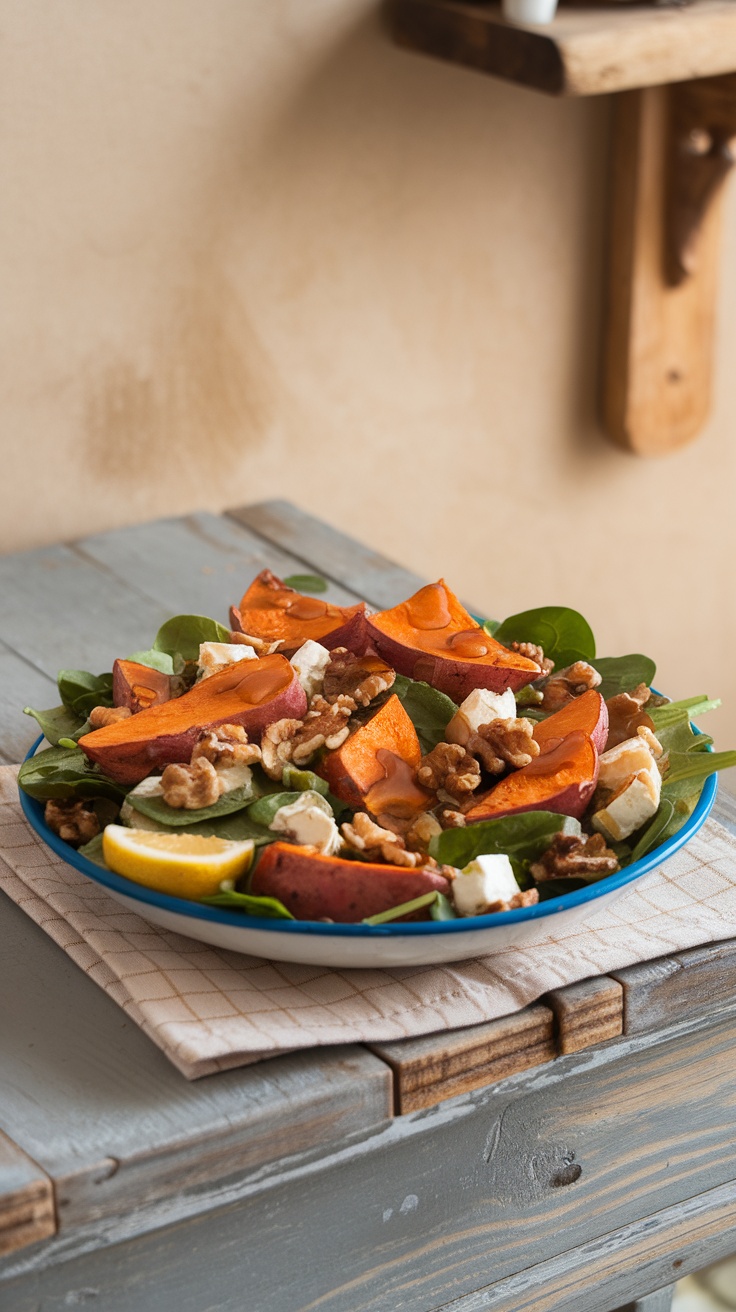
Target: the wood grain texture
pixel 657 378
pixel 584 51
pixel 200 564
pixel 587 1013
pixel 661 1301
pixel 438 1066
pixel 21 684
pixel 107 1117
pixel 702 123
pixel 466 1196
pixel 656 993
pixel 374 577
pixel 26 1200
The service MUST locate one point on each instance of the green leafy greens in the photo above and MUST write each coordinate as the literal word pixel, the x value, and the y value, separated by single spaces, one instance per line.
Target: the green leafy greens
pixel 622 673
pixel 177 818
pixel 65 772
pixel 306 582
pixel 563 633
pixel 270 907
pixel 523 838
pixel 430 711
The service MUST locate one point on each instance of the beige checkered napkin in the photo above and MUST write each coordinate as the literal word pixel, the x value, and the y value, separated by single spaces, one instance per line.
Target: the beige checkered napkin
pixel 210 1009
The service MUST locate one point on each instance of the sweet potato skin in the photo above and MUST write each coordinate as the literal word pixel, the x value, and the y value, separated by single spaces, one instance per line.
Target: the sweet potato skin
pixel 130 749
pixel 423 650
pixel 272 611
pixel 588 713
pixel 138 686
pixel 315 887
pixel 566 788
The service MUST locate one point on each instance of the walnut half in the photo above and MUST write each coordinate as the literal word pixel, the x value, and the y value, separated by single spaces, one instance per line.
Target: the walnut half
pixel 73 821
pixel 451 769
pixel 296 741
pixel 227 745
pixel 100 716
pixel 368 838
pixel 504 742
pixel 190 787
pixel 563 686
pixel 569 856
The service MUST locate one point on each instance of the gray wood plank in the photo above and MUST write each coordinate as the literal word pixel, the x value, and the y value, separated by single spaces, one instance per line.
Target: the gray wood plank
pixel 587 1013
pixel 201 564
pixel 438 1203
pixel 335 555
pixel 21 685
pixel 117 1128
pixel 62 610
pixel 438 1066
pixel 26 1200
pixel 658 992
pixel 661 1301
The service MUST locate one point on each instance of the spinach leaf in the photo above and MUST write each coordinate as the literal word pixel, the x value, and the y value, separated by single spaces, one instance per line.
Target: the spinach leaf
pixel 250 906
pixel 676 712
pixel 549 888
pixel 306 582
pixel 563 633
pixel 65 772
pixel 405 909
pixel 155 660
pixel 237 827
pixel 442 909
pixel 522 837
pixel 81 691
pixel 430 711
pixel 57 723
pixel 181 636
pixel 263 811
pixel 491 627
pixel 696 765
pixel 177 818
pixel 93 851
pixel 622 673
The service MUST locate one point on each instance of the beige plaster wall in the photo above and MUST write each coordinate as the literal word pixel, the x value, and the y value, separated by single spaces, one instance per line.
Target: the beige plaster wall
pixel 250 250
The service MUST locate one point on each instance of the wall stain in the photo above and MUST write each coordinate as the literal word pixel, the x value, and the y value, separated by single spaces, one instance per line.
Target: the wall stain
pixel 201 393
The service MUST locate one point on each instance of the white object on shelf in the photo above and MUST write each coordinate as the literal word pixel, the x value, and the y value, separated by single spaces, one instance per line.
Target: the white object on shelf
pixel 529 11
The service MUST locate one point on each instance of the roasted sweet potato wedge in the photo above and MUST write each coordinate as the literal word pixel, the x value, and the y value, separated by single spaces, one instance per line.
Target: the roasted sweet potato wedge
pixel 138 686
pixel 587 713
pixel 561 780
pixel 314 887
pixel 374 769
pixel 433 638
pixel 251 693
pixel 274 612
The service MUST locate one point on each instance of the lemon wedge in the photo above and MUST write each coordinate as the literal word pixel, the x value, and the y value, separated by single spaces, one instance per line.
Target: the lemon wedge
pixel 182 865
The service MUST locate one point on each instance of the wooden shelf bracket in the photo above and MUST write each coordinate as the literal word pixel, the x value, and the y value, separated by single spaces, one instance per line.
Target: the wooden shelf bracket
pixel 674 144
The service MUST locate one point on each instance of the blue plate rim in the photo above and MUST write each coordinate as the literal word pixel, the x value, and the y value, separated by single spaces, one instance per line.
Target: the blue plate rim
pixel 33 811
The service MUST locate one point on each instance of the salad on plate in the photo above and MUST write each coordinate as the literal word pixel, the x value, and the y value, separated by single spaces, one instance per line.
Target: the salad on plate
pixel 327 764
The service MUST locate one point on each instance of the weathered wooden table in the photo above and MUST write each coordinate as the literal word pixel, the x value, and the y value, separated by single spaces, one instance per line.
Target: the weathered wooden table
pixel 572 1157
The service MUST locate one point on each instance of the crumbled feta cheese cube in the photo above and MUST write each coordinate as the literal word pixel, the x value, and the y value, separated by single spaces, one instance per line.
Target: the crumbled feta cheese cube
pixel 636 801
pixel 233 776
pixel 310 663
pixel 309 822
pixel 487 880
pixel 480 707
pixel 626 759
pixel 216 656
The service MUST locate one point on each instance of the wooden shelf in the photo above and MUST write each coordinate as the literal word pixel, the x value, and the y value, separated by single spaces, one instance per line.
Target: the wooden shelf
pixel 584 51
